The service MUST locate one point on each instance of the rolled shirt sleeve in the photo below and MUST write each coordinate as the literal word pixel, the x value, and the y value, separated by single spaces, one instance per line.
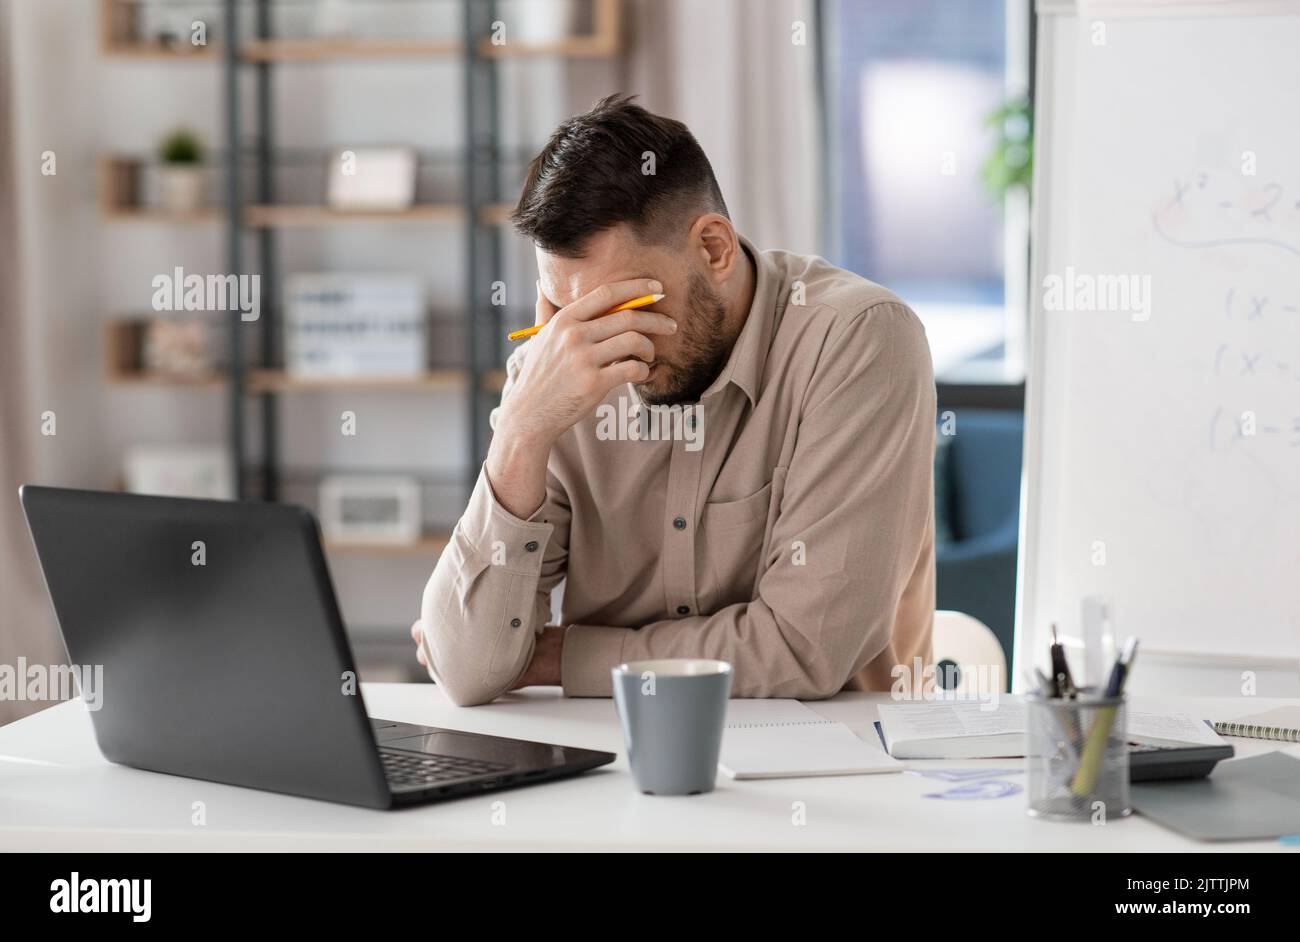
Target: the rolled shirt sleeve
pixel 490 593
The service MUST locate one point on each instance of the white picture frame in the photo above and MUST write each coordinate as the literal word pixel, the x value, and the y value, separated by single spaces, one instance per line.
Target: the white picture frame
pixel 383 509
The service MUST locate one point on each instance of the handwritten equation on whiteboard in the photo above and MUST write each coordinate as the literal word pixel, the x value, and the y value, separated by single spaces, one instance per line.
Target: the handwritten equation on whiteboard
pixel 1213 210
pixel 1255 362
pixel 1260 370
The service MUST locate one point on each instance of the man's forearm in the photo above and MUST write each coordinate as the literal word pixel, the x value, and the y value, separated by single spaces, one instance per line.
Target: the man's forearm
pixel 516 468
pixel 486 599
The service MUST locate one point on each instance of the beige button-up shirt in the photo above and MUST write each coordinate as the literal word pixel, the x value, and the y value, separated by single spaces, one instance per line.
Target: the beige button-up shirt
pixel 789 530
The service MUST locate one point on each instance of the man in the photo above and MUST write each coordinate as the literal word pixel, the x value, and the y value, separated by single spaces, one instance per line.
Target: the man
pixel 785 524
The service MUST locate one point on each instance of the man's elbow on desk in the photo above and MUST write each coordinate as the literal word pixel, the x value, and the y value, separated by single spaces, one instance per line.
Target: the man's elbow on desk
pixel 468 672
pixel 464 692
pixel 463 687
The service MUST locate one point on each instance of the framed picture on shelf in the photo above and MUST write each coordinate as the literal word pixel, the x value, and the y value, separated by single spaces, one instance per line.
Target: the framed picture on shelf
pixel 370 509
pixel 179 347
pixel 339 324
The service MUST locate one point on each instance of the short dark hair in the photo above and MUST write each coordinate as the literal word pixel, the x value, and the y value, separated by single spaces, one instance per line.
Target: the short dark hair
pixel 591 176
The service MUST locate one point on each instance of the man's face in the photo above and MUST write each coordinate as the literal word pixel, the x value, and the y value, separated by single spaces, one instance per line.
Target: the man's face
pixel 689 360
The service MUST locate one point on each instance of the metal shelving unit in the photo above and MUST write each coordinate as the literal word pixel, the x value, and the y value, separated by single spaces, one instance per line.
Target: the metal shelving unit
pixel 252 215
pixel 482 242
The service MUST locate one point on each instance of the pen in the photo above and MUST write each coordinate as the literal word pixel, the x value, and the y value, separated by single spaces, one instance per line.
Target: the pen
pixel 1119 673
pixel 1061 668
pixel 1085 780
pixel 1063 687
pixel 643 301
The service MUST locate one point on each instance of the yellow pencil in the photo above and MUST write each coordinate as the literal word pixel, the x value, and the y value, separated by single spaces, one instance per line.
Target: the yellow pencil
pixel 643 301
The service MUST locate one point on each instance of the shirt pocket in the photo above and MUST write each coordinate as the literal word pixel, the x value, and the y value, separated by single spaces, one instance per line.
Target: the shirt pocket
pixel 731 543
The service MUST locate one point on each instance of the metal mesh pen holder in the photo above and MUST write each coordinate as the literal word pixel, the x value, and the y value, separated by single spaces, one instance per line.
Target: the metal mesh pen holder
pixel 1077 751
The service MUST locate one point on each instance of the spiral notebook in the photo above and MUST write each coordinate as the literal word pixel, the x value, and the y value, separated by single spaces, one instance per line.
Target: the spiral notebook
pixel 785 739
pixel 1282 724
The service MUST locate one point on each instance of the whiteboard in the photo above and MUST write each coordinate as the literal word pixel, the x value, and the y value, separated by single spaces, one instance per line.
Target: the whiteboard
pixel 1163 445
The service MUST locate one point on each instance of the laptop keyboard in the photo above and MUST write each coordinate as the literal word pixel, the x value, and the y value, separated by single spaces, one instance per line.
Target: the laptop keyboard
pixel 420 768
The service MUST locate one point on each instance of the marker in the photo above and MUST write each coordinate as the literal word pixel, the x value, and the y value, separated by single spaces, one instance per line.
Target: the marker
pixel 643 301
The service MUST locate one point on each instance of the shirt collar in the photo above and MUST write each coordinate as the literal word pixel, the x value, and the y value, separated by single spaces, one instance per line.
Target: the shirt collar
pixel 744 366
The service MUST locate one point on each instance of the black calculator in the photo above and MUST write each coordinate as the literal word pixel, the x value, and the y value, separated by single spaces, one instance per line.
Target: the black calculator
pixel 1148 763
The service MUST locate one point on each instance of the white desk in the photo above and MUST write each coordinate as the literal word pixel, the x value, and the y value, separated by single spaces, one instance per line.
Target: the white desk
pixel 60 794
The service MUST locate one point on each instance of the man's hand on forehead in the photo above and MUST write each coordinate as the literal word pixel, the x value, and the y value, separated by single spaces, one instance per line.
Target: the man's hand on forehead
pixel 570 367
pixel 562 294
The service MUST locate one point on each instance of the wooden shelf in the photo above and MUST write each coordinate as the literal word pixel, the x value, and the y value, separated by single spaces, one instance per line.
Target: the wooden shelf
pixel 120 39
pixel 448 380
pixel 168 381
pixel 284 50
pixel 156 215
pixel 157 52
pixel 429 545
pixel 317 50
pixel 573 47
pixel 124 340
pixel 261 215
pixel 277 381
pixel 274 381
pixel 121 191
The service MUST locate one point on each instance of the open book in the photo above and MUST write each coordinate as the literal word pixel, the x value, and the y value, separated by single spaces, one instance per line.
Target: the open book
pixel 968 729
pixel 785 739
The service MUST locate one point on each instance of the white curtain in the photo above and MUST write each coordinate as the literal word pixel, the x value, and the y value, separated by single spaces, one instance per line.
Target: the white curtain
pixel 742 74
pixel 26 626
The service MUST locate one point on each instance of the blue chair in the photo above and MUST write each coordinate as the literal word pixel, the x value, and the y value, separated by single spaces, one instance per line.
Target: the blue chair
pixel 977 484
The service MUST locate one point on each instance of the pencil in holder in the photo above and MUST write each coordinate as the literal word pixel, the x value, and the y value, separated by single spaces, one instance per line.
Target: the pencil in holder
pixel 1077 754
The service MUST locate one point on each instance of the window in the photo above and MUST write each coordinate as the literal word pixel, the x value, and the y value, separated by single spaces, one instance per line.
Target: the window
pixel 911 90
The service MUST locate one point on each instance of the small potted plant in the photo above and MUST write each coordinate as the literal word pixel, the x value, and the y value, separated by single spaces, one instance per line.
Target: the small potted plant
pixel 182 171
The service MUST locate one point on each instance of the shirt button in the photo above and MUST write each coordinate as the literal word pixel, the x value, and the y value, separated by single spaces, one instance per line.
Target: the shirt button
pixel 680 523
pixel 515 623
pixel 683 609
pixel 531 546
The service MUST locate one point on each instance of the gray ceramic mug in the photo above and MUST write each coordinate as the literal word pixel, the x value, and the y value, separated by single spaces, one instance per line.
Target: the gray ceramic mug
pixel 673 711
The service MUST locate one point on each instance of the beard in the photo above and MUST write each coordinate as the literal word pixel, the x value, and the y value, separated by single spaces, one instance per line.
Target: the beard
pixel 701 353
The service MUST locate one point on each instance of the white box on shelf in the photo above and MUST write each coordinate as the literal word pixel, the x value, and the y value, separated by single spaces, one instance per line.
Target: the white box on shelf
pixel 372 179
pixel 180 471
pixel 341 325
pixel 370 508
